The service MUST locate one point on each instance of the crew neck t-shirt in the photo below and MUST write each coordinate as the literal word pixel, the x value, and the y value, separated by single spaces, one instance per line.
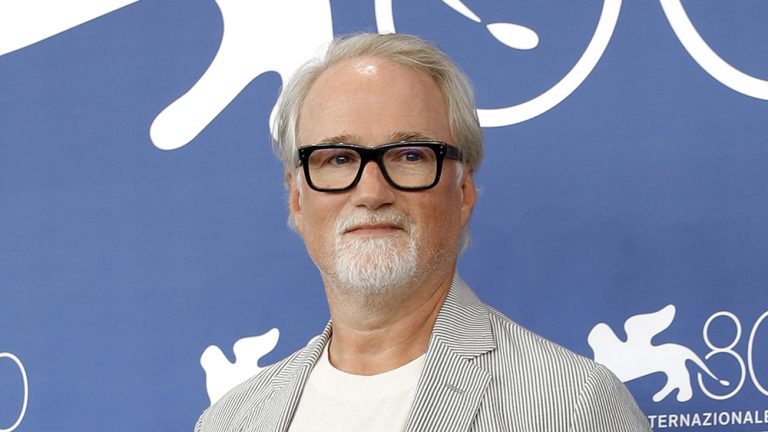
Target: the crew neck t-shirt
pixel 338 401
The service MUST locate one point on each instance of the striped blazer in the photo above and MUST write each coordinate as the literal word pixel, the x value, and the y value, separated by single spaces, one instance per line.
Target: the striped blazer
pixel 482 372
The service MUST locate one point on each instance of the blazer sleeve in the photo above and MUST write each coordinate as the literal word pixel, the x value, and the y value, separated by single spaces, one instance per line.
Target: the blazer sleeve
pixel 199 423
pixel 606 405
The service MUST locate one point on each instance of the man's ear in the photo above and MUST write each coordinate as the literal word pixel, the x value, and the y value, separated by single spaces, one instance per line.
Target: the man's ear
pixel 469 195
pixel 294 203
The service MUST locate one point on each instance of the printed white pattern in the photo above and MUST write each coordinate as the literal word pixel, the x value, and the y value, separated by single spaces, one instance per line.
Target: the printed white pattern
pixel 278 36
pixel 222 376
pixel 25 22
pixel 524 40
pixel 25 382
pixel 637 356
pixel 712 63
pixel 259 37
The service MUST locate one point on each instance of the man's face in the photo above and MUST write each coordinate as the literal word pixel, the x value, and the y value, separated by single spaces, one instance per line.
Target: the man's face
pixel 375 237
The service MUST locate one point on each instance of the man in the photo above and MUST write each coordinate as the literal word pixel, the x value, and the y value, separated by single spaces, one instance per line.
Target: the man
pixel 380 142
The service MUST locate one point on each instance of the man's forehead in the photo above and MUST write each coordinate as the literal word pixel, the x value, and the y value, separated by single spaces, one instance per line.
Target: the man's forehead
pixel 395 136
pixel 358 73
pixel 387 103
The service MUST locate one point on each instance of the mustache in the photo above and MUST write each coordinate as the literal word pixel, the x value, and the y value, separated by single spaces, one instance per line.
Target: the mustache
pixel 364 217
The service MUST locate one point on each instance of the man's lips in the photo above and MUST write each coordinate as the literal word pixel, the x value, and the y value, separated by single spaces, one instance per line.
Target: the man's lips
pixel 373 228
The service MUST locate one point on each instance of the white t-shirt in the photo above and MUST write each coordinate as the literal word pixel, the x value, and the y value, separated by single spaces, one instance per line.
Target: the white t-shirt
pixel 338 401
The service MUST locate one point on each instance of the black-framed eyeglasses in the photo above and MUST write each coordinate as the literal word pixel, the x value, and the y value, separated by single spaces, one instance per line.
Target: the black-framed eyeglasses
pixel 406 165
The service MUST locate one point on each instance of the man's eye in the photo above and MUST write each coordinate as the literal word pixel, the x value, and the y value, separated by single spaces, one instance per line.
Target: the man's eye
pixel 410 155
pixel 340 160
pixel 413 156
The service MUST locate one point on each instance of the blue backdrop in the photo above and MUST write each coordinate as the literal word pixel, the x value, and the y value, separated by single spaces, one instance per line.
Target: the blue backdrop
pixel 143 218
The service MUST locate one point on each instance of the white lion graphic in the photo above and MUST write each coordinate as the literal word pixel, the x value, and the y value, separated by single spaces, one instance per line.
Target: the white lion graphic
pixel 637 356
pixel 221 375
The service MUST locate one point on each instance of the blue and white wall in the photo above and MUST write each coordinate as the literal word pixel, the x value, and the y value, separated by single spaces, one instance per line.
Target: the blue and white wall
pixel 623 214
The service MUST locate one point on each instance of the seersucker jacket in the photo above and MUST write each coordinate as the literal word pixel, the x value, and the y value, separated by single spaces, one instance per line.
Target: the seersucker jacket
pixel 482 372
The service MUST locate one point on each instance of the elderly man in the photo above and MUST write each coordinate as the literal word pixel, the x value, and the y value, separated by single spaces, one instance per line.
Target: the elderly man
pixel 380 143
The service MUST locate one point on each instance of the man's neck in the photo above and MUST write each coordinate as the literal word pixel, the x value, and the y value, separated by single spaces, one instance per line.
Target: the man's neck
pixel 373 335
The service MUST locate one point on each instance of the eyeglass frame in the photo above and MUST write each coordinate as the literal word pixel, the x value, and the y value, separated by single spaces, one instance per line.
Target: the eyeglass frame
pixel 441 149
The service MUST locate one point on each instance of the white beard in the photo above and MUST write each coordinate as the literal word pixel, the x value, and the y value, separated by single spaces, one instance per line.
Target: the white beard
pixel 375 265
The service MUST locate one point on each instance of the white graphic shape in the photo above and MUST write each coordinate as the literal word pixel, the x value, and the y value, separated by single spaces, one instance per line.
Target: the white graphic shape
pixel 701 52
pixel 222 376
pixel 461 8
pixel 24 22
pixel 568 84
pixel 259 36
pixel 637 356
pixel 514 35
pixel 495 117
pixel 23 372
pixel 726 350
pixel 750 351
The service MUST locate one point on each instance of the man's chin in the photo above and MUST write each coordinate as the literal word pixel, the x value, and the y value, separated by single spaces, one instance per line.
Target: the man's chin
pixel 374 265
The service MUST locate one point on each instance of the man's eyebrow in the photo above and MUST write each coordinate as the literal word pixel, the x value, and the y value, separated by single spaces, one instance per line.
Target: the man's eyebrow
pixel 393 137
pixel 338 139
pixel 411 136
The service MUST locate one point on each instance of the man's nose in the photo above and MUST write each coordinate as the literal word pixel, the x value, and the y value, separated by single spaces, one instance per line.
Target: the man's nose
pixel 373 190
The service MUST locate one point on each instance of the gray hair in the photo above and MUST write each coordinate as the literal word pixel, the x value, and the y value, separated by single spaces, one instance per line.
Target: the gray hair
pixel 402 49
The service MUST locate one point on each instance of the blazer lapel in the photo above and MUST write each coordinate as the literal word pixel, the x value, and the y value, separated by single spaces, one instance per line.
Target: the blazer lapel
pixel 451 385
pixel 279 406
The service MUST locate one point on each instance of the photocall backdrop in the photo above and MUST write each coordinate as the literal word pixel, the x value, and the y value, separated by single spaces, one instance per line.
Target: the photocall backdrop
pixel 145 262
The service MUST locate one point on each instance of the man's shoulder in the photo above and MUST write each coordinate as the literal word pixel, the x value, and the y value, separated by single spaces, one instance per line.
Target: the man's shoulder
pixel 535 361
pixel 267 377
pixel 535 378
pixel 529 346
pixel 476 329
pixel 467 319
pixel 245 398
